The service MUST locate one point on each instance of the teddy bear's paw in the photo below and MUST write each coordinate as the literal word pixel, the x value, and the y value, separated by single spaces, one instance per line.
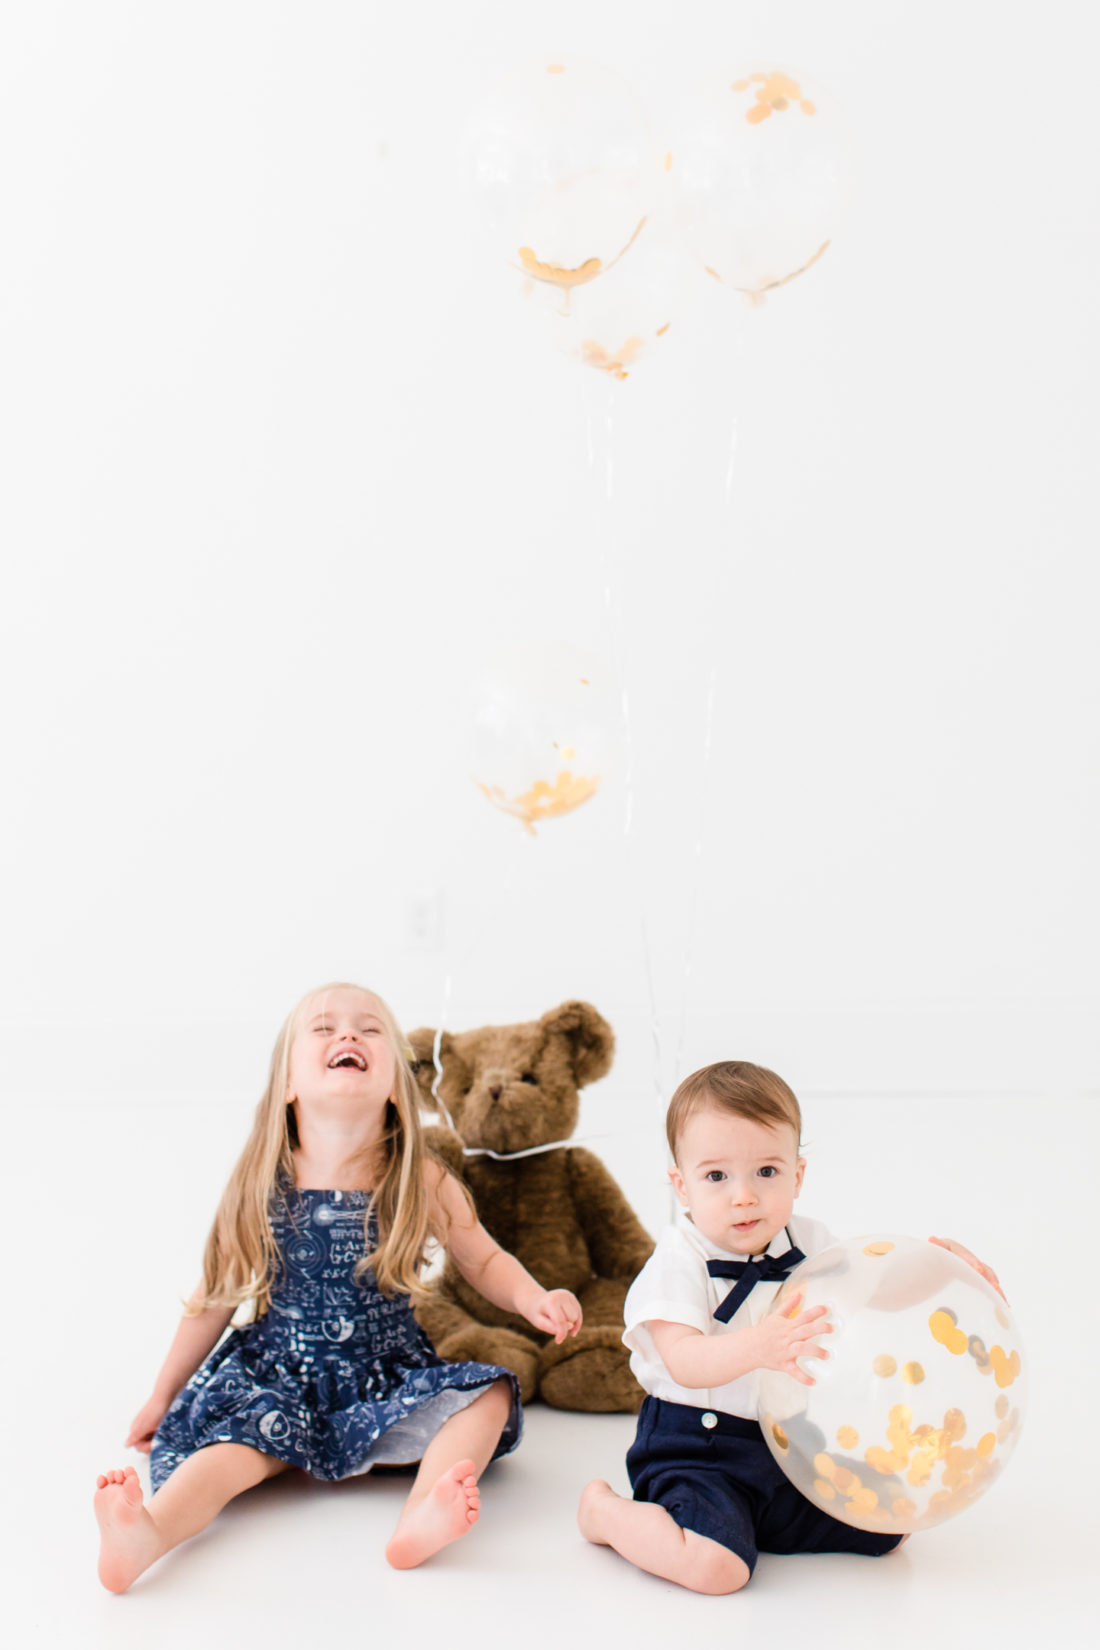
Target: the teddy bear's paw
pixel 590 1373
pixel 476 1344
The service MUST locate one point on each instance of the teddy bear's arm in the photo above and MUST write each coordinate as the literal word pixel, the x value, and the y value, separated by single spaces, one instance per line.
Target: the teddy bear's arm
pixel 618 1243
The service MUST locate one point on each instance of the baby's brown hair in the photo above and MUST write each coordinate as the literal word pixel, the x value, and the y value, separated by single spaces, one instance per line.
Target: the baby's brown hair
pixel 737 1087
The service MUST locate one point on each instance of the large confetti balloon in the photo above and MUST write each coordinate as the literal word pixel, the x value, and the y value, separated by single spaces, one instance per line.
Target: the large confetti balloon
pixel 540 732
pixel 917 1409
pixel 562 159
pixel 762 164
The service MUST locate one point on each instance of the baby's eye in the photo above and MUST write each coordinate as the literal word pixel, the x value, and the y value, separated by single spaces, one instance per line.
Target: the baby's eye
pixel 715 1175
pixel 769 1170
pixel 322 1031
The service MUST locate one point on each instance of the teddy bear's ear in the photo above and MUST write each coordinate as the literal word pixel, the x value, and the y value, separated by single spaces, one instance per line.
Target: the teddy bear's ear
pixel 592 1038
pixel 422 1043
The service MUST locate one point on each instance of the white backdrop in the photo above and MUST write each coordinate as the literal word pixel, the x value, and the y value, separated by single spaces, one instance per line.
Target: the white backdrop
pixel 283 462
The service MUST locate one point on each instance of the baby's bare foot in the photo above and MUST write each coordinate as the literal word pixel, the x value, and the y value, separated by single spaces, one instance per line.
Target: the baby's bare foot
pixel 128 1537
pixel 596 1497
pixel 448 1510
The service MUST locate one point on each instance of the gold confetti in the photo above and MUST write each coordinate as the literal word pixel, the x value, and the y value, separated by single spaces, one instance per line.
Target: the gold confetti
pixel 824 1489
pixel 555 68
pixel 844 1480
pixel 668 162
pixel 556 274
pixel 773 92
pixel 986 1443
pixel 942 1325
pixel 616 362
pixel 544 801
pixel 880 1247
pixel 954 1424
pixel 780 1437
pixel 1001 1407
pixel 912 1373
pixel 1005 1368
pixel 903 1507
pixel 886 1461
pixel 824 1466
pixel 1008 1426
pixel 847 1437
pixel 884 1365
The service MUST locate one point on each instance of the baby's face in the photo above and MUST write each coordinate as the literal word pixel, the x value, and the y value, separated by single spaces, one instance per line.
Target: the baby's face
pixel 341 1052
pixel 738 1179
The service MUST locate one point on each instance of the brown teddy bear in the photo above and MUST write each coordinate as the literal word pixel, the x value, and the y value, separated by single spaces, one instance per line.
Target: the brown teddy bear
pixel 505 1089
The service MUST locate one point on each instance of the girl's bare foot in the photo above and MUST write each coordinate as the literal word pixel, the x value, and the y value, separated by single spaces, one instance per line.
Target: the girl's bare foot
pixel 448 1510
pixel 128 1537
pixel 590 1513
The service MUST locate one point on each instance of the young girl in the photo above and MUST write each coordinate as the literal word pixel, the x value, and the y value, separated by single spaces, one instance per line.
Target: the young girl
pixel 322 1229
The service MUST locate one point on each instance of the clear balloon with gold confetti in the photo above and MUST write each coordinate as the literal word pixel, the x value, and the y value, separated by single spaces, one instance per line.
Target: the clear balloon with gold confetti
pixel 618 324
pixel 917 1409
pixel 562 158
pixel 762 164
pixel 540 732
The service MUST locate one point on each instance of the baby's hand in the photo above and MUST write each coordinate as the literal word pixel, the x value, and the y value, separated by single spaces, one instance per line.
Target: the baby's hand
pixel 781 1339
pixel 557 1312
pixel 144 1424
pixel 987 1272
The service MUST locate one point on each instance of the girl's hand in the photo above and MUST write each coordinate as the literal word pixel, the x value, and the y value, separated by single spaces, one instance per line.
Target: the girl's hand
pixel 781 1339
pixel 987 1272
pixel 557 1312
pixel 145 1423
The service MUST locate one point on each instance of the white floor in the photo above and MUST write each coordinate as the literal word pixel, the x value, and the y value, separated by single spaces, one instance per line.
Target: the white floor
pixel 110 1205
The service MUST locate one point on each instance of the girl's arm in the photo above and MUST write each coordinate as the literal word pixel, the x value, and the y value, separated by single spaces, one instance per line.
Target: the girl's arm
pixel 776 1342
pixel 496 1274
pixel 194 1338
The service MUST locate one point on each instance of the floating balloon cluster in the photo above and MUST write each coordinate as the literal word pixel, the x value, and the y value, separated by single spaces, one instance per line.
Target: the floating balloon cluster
pixel 605 229
pixel 604 222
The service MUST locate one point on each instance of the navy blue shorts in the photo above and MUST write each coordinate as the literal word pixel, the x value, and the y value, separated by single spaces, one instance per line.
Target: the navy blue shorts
pixel 722 1482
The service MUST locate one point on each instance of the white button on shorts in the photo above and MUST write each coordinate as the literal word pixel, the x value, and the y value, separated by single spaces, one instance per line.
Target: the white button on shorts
pixel 709 1420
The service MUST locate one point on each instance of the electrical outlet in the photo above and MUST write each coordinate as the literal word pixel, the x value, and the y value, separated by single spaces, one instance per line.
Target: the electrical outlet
pixel 424 919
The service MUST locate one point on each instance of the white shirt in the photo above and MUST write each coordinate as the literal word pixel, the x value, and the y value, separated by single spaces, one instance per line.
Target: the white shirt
pixel 675 1287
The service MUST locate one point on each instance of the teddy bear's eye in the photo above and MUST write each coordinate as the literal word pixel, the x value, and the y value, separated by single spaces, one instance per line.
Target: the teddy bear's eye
pixel 528 1077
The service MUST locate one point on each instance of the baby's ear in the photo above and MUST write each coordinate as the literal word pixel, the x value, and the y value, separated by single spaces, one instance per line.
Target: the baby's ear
pixel 592 1040
pixel 422 1043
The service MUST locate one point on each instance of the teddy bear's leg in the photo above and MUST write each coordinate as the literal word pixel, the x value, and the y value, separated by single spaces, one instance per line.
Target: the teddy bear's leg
pixel 460 1339
pixel 591 1372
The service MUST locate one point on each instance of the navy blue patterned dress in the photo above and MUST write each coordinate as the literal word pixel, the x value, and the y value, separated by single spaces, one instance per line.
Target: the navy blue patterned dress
pixel 335 1378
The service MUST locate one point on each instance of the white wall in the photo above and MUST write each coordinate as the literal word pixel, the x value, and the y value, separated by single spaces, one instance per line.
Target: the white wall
pixel 282 463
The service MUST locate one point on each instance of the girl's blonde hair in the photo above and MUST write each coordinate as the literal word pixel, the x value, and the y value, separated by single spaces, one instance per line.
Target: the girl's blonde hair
pixel 241 1252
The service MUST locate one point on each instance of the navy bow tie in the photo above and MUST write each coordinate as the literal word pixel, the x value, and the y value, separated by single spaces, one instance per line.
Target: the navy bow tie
pixel 760 1269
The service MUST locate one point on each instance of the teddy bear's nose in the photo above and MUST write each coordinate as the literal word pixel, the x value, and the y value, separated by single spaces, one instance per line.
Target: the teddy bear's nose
pixel 496 1091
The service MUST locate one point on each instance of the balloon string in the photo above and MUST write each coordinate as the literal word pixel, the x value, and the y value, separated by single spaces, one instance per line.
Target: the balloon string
pixel 696 861
pixel 708 745
pixel 462 959
pixel 612 616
